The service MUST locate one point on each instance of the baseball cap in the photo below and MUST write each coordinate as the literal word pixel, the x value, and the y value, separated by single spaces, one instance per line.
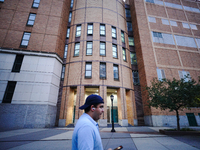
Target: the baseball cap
pixel 92 99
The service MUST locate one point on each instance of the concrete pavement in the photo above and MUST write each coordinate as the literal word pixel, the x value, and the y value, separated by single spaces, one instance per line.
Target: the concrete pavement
pixel 131 138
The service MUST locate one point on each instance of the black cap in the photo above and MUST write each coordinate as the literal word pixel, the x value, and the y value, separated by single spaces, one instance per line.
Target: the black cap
pixel 92 99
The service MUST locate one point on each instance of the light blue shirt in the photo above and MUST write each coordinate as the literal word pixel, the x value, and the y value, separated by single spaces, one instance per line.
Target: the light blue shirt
pixel 86 134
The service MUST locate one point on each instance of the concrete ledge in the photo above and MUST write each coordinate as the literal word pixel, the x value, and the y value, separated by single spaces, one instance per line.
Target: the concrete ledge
pixel 167 132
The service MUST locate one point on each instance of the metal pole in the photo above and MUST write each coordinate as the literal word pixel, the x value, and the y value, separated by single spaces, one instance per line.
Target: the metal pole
pixel 113 130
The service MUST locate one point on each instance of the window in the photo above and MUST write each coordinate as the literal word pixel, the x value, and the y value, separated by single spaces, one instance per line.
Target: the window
pixel 31 19
pixel 2 1
pixel 155 2
pixel 72 3
pixel 68 31
pixel 185 41
pixel 65 53
pixel 114 48
pixel 114 33
pixel 18 63
pixel 9 92
pixel 128 13
pixel 185 25
pixel 122 37
pixel 102 70
pixel 133 58
pixel 173 23
pixel 165 21
pixel 162 38
pixel 129 26
pixel 184 74
pixel 191 9
pixel 152 19
pixel 88 70
pixel 161 74
pixel 36 3
pixel 77 48
pixel 131 41
pixel 102 30
pixel 102 48
pixel 78 30
pixel 25 39
pixel 136 80
pixel 198 42
pixel 89 48
pixel 90 29
pixel 63 73
pixel 124 53
pixel 70 17
pixel 115 72
pixel 193 26
pixel 173 5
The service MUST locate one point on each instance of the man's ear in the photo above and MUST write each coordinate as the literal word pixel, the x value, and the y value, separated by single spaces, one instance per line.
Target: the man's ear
pixel 92 107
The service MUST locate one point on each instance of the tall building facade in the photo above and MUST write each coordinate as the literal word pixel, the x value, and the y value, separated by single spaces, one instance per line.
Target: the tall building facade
pixel 53 54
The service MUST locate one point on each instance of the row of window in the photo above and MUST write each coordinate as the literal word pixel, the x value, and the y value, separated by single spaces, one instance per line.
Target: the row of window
pixel 172 5
pixel 182 74
pixel 166 38
pixel 102 51
pixel 102 32
pixel 30 22
pixel 173 23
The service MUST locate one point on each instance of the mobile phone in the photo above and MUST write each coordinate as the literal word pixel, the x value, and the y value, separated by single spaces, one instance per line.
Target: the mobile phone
pixel 118 148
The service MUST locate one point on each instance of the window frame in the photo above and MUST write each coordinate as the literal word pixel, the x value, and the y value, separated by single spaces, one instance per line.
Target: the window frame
pixel 160 74
pixel 114 73
pixel 88 25
pixel 151 19
pixel 25 40
pixel 89 54
pixel 101 71
pixel 30 20
pixel 70 17
pixel 114 32
pixel 122 36
pixel 90 70
pixel 65 52
pixel 35 3
pixel 62 73
pixel 68 32
pixel 131 40
pixel 8 98
pixel 75 49
pixel 124 53
pixel 135 78
pixel 114 50
pixel 100 30
pixel 17 63
pixel 183 74
pixel 102 49
pixel 133 59
pixel 78 30
pixel 72 4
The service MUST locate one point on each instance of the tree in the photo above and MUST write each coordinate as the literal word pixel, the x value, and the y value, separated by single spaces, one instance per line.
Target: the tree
pixel 174 95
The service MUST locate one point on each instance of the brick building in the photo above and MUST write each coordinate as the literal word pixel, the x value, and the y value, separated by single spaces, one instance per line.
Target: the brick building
pixel 54 53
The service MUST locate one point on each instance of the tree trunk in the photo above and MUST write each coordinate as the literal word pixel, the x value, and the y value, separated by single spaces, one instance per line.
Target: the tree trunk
pixel 177 117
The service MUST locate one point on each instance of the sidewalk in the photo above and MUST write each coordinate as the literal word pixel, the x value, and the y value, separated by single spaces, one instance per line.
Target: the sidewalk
pixel 131 138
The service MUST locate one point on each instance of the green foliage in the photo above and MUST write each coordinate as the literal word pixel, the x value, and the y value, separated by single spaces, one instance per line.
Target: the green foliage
pixel 174 95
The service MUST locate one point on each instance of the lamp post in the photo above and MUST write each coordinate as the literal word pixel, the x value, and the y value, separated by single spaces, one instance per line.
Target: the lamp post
pixel 112 97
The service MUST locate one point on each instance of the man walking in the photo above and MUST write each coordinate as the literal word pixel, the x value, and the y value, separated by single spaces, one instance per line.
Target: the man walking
pixel 86 132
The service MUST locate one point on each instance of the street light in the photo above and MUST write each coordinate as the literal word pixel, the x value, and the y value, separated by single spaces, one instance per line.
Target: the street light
pixel 112 97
